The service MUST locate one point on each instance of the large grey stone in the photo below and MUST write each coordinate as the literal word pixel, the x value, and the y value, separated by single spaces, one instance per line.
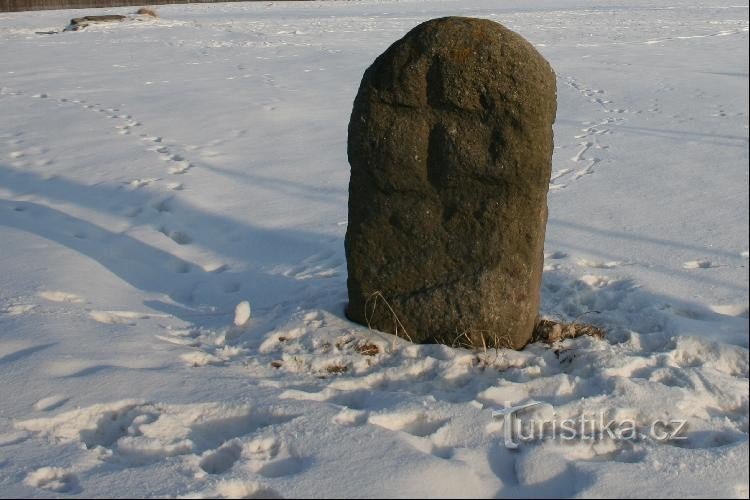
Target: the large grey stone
pixel 450 146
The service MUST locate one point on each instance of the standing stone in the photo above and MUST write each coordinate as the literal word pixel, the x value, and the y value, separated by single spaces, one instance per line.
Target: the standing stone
pixel 450 146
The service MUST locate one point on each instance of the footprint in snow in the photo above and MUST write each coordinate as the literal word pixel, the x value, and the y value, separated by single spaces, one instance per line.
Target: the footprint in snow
pixel 325 264
pixel 12 438
pixel 17 309
pixel 179 266
pixel 139 183
pixel 420 431
pixel 215 267
pixel 180 341
pixel 121 317
pixel 598 264
pixel 349 417
pixel 698 264
pixel 54 296
pixel 272 457
pixel 236 488
pixel 179 237
pixel 222 459
pixel 416 424
pixel 50 403
pixel 163 205
pixel 180 168
pixel 736 310
pixel 54 479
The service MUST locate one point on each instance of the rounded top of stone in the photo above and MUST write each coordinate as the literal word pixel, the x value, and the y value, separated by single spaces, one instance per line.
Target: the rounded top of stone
pixel 463 63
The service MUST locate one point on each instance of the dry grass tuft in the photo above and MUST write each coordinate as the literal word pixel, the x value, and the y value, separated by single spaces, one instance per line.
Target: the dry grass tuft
pixel 373 301
pixel 367 349
pixel 336 369
pixel 547 331
pixel 477 340
pixel 342 342
pixel 147 11
pixel 551 332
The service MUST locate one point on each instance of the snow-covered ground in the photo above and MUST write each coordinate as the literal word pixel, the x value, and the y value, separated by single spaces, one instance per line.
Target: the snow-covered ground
pixel 155 174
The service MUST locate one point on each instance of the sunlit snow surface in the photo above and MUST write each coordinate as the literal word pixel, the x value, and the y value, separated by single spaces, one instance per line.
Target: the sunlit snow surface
pixel 154 174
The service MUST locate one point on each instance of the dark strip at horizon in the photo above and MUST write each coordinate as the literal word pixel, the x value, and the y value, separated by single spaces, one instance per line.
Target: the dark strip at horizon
pixel 29 5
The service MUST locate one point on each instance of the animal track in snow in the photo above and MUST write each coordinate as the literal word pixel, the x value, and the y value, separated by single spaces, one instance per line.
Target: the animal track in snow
pixel 180 168
pixel 178 164
pixel 737 310
pixel 54 479
pixel 236 488
pixel 351 417
pixel 12 438
pixel 122 317
pixel 711 313
pixel 116 317
pixel 698 264
pixel 690 312
pixel 50 403
pixel 17 309
pixel 179 266
pixel 138 432
pixel 54 296
pixel 560 173
pixel 222 459
pixel 181 341
pixel 720 111
pixel 215 267
pixel 127 123
pixel 596 298
pixel 421 431
pixel 179 237
pixel 272 457
pixel 598 264
pixel 321 265
pixel 589 137
pixel 163 205
pixel 214 357
pixel 139 183
pixel 416 424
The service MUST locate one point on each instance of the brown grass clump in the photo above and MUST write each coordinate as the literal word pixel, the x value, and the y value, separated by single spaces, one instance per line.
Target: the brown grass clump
pixel 550 332
pixel 147 11
pixel 367 349
pixel 336 369
pixel 547 331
